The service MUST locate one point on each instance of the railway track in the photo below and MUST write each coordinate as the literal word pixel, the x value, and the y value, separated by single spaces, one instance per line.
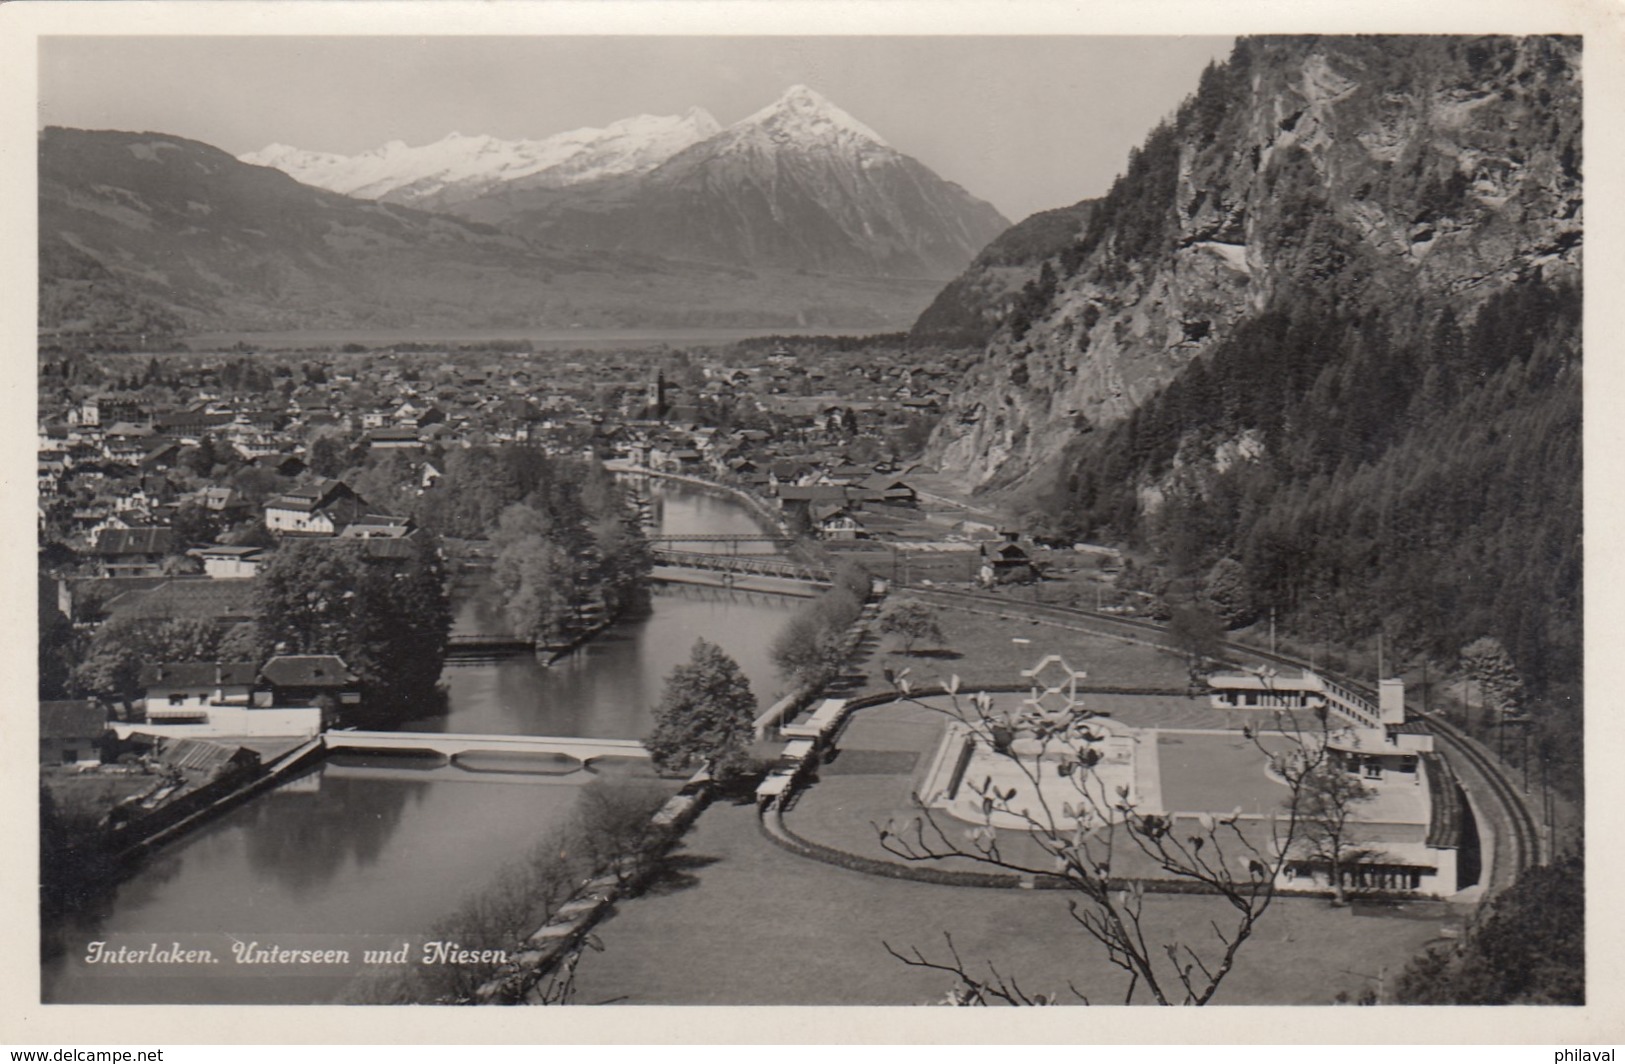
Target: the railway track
pixel 1523 836
pixel 1513 821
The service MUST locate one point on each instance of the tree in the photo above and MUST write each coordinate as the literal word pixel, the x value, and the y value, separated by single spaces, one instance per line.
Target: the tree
pixel 911 622
pixel 1196 634
pixel 1327 807
pixel 60 646
pixel 1082 837
pixel 202 459
pixel 194 526
pixel 329 455
pixel 1226 590
pixel 615 824
pixel 538 577
pixel 75 853
pixel 123 646
pixel 241 642
pixel 1526 947
pixel 387 618
pixel 805 651
pixel 811 647
pixel 705 716
pixel 1486 660
pixel 624 561
pixel 387 480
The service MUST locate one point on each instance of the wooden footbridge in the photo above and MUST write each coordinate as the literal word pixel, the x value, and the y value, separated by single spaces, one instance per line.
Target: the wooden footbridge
pixel 451 744
pixel 460 643
pixel 742 565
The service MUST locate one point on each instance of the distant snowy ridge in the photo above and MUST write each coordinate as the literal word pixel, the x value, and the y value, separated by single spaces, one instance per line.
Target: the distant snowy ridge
pixel 458 167
pixel 797 185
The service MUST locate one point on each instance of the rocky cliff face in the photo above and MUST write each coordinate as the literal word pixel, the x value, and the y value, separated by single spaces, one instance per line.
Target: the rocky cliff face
pixel 1408 173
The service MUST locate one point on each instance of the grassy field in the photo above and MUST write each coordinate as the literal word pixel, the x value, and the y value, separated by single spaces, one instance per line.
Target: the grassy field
pixel 93 793
pixel 738 921
pixel 989 650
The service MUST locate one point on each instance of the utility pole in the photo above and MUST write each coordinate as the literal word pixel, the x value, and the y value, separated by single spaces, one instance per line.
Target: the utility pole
pixel 1272 629
pixel 1525 755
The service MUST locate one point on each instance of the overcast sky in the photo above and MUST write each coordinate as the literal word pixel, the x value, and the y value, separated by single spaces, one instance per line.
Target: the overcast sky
pixel 1027 123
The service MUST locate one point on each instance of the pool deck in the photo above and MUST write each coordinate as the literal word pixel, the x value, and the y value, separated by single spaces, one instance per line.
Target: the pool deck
pixel 1192 763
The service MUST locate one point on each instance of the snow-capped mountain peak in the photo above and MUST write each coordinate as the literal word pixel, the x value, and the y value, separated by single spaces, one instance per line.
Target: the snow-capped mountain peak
pixel 803 116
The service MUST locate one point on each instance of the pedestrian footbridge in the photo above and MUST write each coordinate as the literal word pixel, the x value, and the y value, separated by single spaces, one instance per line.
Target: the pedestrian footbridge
pixel 732 565
pixel 450 744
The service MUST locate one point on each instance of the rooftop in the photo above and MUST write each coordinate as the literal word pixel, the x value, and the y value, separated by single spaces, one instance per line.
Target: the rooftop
pixel 71 719
pixel 198 674
pixel 307 670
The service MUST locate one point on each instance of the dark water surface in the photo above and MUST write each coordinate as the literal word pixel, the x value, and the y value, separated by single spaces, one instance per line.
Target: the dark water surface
pixel 371 853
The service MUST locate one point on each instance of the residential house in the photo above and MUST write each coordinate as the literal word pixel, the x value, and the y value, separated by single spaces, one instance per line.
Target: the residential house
pixel 378 526
pixel 891 491
pixel 226 503
pixel 797 502
pixel 835 521
pixel 72 732
pixel 133 551
pixel 393 439
pixel 224 562
pixel 183 693
pixel 319 510
pixel 307 680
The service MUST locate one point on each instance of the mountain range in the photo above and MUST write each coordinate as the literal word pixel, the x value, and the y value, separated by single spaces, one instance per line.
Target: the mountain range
pixel 458 168
pixel 798 215
pixel 799 185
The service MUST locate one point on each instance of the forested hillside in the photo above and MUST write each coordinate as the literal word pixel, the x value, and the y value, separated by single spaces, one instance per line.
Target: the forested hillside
pixel 1324 333
pixel 1424 486
pixel 1003 278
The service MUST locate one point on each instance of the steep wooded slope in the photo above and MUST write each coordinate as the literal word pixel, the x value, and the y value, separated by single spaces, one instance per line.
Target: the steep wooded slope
pixel 1327 327
pixel 1407 173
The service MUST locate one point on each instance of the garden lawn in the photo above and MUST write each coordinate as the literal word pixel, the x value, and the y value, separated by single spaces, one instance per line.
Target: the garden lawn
pixel 741 922
pixel 982 650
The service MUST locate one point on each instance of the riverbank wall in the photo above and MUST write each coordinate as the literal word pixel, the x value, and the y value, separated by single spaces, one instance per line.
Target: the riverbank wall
pixel 209 802
pixel 757 505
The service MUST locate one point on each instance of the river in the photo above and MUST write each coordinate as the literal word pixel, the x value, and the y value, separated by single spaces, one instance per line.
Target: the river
pixel 368 853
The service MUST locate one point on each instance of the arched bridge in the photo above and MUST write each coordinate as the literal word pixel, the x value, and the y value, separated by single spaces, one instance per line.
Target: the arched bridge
pixel 742 565
pixel 451 744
